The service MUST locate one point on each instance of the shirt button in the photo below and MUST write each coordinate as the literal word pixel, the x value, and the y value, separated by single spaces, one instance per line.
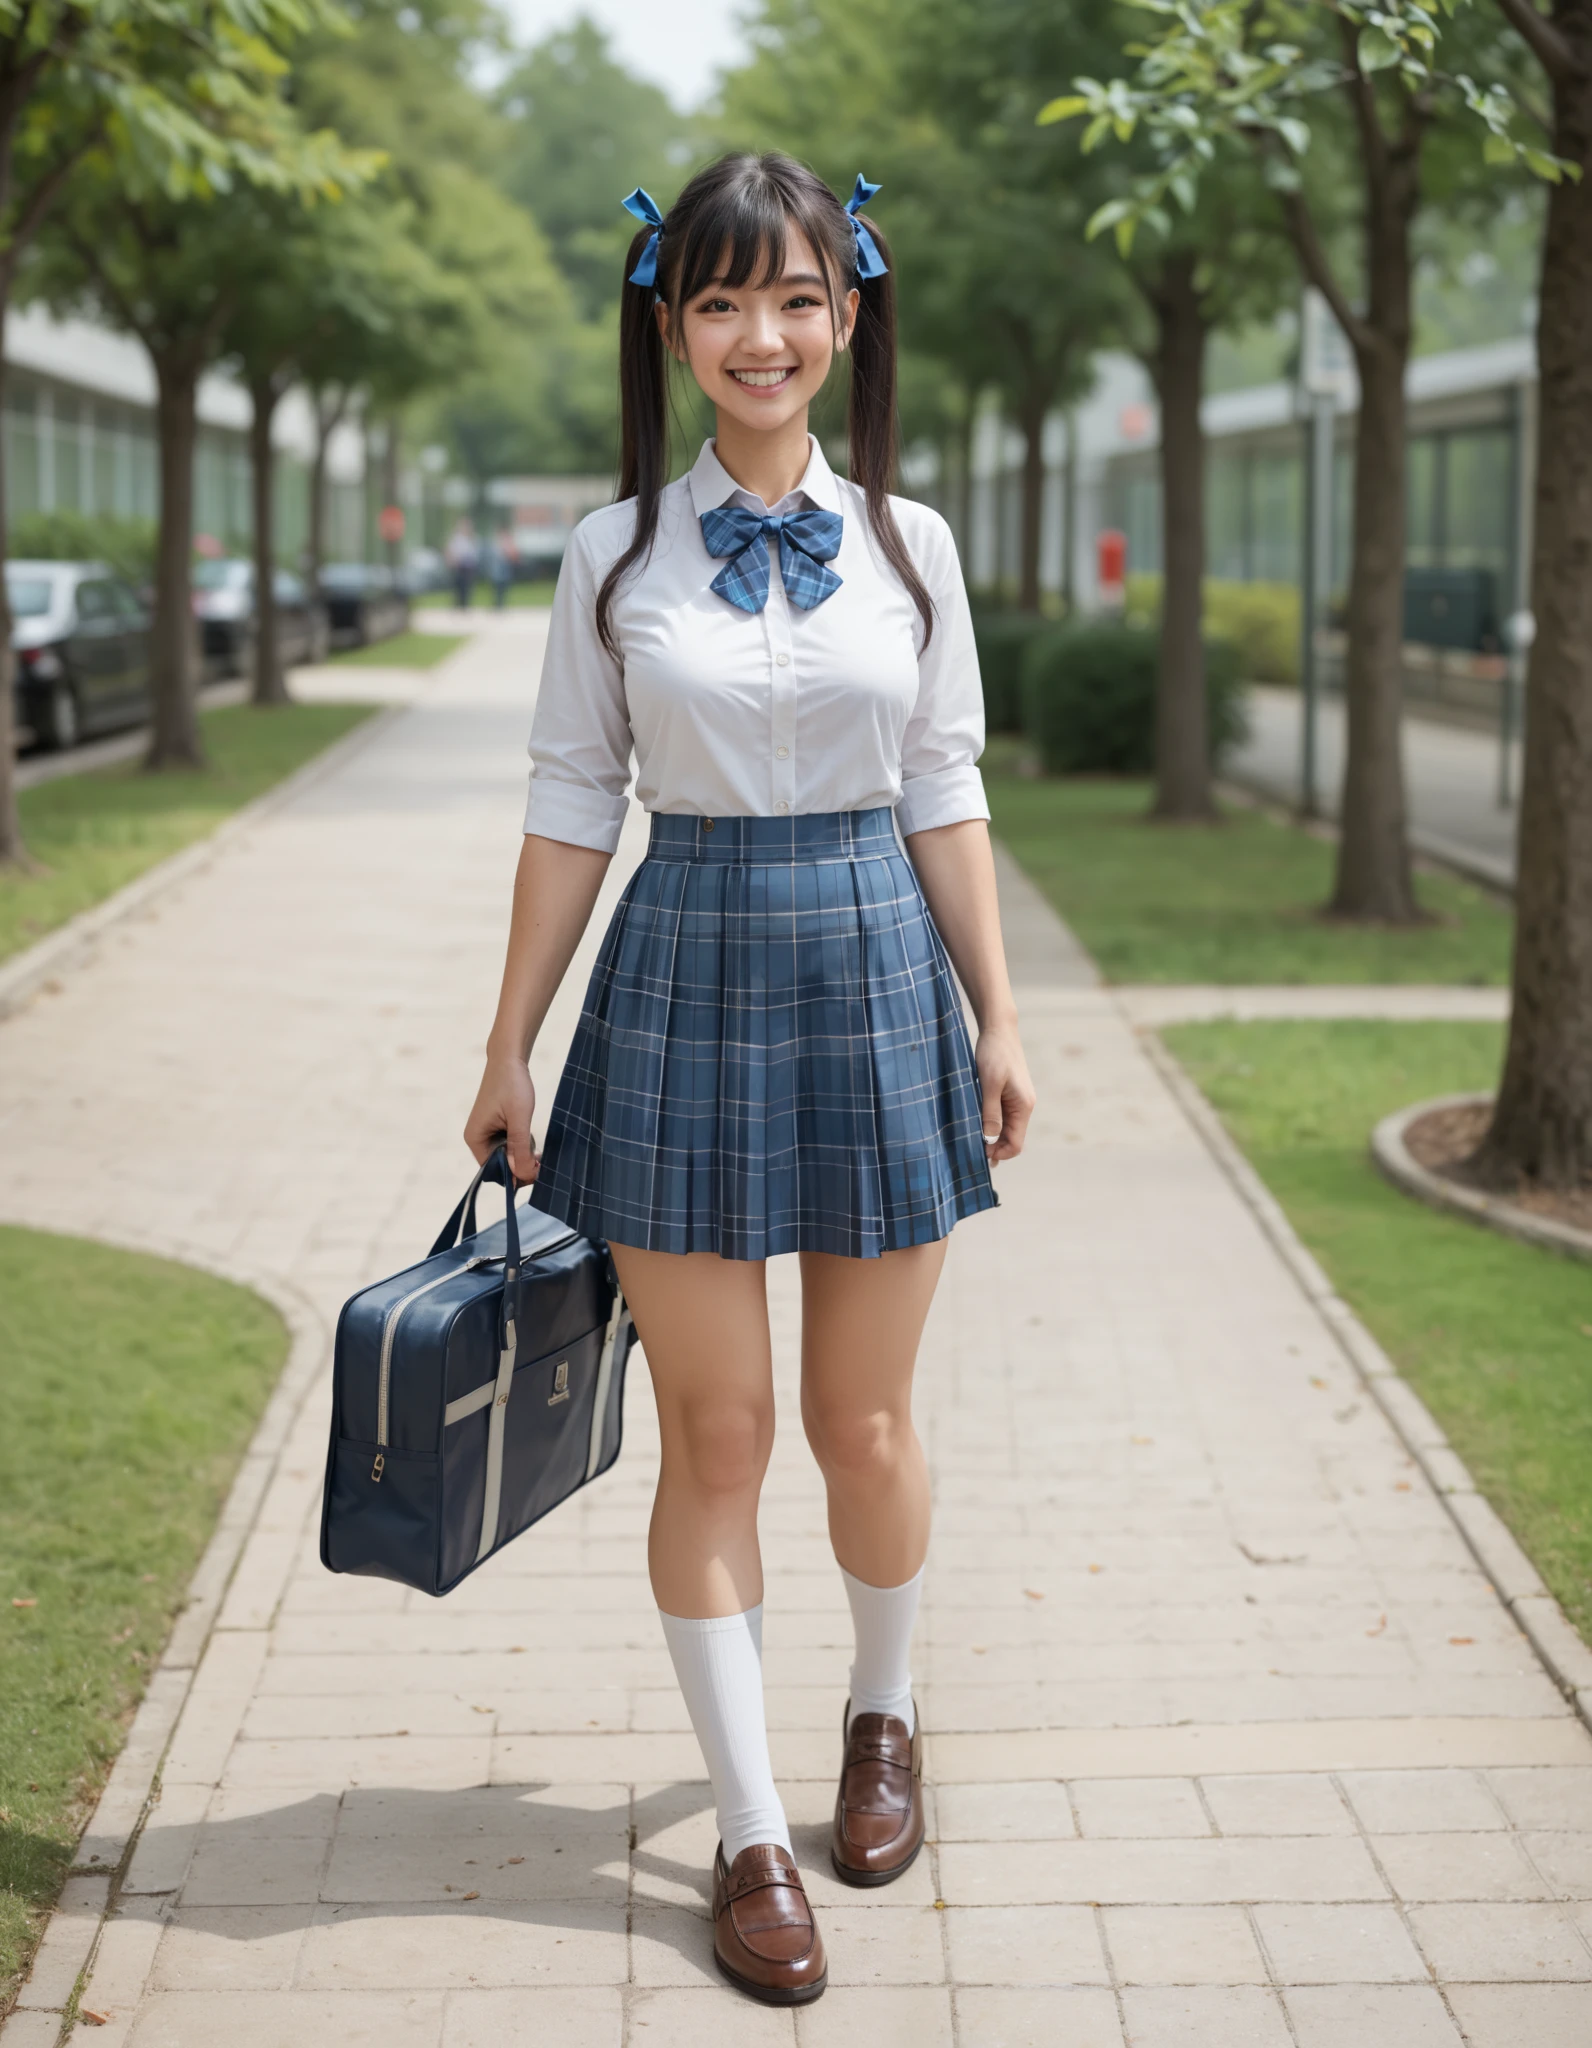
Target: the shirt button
pixel 783 660
pixel 782 806
pixel 780 753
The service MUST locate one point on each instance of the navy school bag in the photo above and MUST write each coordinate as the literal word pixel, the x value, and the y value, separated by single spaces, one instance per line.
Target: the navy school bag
pixel 471 1394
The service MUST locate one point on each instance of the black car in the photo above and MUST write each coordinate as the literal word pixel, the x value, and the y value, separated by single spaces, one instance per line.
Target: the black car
pixel 80 641
pixel 364 602
pixel 223 603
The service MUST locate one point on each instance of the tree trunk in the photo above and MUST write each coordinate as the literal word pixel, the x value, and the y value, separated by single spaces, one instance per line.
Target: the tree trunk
pixel 174 740
pixel 1182 714
pixel 328 416
pixel 1542 1125
pixel 389 484
pixel 1031 414
pixel 13 849
pixel 1373 879
pixel 270 684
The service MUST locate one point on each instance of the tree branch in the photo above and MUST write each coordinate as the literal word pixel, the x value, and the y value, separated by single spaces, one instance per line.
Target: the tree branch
pixel 1362 97
pixel 1302 232
pixel 1551 50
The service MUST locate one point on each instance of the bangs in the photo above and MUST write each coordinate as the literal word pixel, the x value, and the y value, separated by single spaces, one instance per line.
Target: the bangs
pixel 741 234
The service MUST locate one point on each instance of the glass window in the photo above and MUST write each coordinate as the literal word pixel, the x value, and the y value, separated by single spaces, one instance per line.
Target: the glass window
pixel 1224 516
pixel 128 609
pixel 95 603
pixel 1476 518
pixel 1420 506
pixel 1274 536
pixel 29 595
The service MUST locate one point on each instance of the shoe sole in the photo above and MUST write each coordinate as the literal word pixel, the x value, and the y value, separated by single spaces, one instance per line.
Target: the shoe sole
pixel 866 1880
pixel 768 1994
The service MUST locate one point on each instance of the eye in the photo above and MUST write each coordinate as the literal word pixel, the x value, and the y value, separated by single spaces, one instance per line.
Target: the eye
pixel 715 306
pixel 802 302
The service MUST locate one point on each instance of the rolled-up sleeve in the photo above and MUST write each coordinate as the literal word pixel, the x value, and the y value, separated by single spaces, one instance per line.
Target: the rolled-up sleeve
pixel 580 735
pixel 940 782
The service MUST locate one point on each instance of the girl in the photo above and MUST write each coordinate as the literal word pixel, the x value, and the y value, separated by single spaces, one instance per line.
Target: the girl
pixel 771 1057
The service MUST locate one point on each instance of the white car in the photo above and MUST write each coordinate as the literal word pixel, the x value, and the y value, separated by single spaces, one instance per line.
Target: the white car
pixel 80 646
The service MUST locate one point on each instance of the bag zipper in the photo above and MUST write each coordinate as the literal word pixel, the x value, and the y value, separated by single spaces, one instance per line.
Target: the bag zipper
pixel 389 1332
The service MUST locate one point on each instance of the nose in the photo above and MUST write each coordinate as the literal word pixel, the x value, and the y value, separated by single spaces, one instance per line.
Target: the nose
pixel 762 336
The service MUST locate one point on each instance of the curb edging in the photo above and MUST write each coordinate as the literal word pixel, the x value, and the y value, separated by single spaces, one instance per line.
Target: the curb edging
pixel 1495 1212
pixel 1513 1577
pixel 59 952
pixel 68 1948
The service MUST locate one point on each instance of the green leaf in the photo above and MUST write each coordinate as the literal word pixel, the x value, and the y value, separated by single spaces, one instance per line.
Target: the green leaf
pixel 1295 133
pixel 1063 109
pixel 1551 168
pixel 1377 52
pixel 1125 237
pixel 1497 149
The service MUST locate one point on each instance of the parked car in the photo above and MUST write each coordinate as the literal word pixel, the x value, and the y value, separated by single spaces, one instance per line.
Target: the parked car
pixel 364 602
pixel 80 638
pixel 223 603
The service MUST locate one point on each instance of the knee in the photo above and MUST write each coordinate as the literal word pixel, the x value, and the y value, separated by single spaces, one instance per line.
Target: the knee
pixel 721 1447
pixel 858 1444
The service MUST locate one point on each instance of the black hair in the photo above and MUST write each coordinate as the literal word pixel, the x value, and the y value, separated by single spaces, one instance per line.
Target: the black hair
pixel 729 226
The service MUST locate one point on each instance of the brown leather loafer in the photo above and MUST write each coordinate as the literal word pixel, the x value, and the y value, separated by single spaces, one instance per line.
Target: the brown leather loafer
pixel 764 1936
pixel 879 1807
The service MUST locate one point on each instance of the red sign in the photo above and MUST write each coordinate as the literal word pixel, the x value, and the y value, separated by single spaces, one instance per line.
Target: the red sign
pixel 390 523
pixel 1111 557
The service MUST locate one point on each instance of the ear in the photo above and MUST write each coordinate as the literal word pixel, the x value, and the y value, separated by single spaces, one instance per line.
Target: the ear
pixel 848 320
pixel 660 312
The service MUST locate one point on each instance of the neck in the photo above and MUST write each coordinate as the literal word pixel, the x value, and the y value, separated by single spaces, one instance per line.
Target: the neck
pixel 768 462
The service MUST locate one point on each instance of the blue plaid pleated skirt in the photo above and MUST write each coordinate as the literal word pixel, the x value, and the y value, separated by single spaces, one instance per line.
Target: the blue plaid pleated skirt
pixel 772 1056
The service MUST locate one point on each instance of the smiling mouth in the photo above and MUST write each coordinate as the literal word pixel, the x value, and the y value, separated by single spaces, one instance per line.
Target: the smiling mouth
pixel 764 380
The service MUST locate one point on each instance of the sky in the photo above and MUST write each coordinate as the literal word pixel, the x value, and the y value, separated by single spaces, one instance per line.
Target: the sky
pixel 680 43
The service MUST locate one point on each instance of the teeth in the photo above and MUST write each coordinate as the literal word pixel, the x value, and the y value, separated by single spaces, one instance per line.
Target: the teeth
pixel 760 379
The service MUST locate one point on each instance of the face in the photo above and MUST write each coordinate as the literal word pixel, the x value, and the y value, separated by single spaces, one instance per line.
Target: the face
pixel 762 352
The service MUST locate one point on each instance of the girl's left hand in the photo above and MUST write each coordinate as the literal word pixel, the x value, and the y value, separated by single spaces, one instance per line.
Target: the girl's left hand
pixel 1007 1092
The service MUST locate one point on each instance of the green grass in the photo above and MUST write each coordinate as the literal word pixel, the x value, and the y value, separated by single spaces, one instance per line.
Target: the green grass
pixel 1236 902
pixel 403 650
pixel 131 1387
pixel 1496 1336
pixel 539 593
pixel 92 834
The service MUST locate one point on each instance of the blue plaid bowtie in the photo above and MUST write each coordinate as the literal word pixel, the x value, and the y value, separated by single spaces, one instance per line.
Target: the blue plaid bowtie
pixel 807 540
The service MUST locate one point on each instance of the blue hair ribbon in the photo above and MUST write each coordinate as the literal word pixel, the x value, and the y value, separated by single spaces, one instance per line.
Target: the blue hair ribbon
pixel 869 262
pixel 645 208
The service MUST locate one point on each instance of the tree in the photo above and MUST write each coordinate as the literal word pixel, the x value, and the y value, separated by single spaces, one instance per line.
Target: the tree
pixel 1542 1121
pixel 159 264
pixel 581 132
pixel 77 76
pixel 1262 74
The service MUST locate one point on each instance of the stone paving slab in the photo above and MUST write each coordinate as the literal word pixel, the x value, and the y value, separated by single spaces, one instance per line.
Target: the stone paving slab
pixel 1231 1740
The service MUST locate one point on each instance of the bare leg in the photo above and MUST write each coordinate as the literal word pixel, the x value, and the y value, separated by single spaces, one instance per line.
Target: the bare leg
pixel 861 1323
pixel 703 1322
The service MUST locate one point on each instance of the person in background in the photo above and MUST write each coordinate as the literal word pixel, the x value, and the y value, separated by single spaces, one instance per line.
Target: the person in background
pixel 500 566
pixel 463 558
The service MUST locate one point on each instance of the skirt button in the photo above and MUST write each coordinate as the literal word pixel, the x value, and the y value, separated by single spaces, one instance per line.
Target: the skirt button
pixel 707 824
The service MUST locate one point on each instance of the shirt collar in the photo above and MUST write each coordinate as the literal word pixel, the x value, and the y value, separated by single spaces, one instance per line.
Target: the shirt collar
pixel 712 484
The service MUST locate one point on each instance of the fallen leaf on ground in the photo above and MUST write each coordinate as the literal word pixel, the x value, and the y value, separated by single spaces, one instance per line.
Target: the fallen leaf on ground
pixel 1030 1594
pixel 472 1895
pixel 1460 1642
pixel 95 2019
pixel 1381 1623
pixel 516 1859
pixel 24 1603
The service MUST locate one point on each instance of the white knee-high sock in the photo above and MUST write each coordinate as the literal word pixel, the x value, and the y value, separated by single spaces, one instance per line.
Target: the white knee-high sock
pixel 883 1617
pixel 719 1663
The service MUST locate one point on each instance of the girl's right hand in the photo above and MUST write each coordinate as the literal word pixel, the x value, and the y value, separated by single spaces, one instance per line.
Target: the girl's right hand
pixel 504 1105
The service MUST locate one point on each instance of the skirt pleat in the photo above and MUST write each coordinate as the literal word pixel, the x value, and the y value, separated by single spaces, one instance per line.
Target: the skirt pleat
pixel 772 1055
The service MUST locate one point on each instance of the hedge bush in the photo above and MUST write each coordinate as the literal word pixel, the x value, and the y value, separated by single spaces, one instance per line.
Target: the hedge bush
pixel 125 545
pixel 1088 698
pixel 1001 637
pixel 1262 621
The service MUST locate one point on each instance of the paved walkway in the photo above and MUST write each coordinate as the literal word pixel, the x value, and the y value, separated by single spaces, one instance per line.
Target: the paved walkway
pixel 1231 1743
pixel 1451 780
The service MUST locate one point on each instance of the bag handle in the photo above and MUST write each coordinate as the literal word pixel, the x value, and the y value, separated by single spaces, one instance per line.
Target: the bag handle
pixel 461 1223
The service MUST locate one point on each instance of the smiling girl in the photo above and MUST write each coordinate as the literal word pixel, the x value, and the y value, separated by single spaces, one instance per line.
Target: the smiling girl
pixel 772 1056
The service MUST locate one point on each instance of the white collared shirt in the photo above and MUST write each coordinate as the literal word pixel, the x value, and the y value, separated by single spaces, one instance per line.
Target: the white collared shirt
pixel 755 714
